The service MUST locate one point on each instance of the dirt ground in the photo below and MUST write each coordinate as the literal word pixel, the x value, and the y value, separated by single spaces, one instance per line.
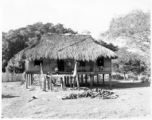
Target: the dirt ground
pixel 133 102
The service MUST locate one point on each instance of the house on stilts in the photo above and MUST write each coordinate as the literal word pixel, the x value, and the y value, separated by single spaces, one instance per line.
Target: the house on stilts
pixel 61 55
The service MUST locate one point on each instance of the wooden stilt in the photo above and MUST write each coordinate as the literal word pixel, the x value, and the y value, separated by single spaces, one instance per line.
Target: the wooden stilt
pixel 86 79
pixel 26 76
pixel 65 78
pixel 90 77
pixel 97 79
pixel 79 78
pixel 48 82
pixel 29 79
pixel 44 82
pixel 82 79
pixel 70 81
pixel 32 79
pixel 92 80
pixel 67 81
pixel 63 83
pixel 51 83
pixel 73 81
pixel 103 80
pixel 78 86
pixel 110 83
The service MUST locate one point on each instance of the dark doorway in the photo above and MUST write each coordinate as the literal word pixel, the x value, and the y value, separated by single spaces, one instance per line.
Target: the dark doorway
pixel 100 61
pixel 60 65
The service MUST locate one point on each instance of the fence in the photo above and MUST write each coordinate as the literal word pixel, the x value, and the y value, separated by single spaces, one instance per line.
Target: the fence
pixel 7 77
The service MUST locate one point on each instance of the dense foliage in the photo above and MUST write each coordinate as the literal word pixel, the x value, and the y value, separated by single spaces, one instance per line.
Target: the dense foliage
pixel 135 29
pixel 129 62
pixel 16 40
pixel 109 46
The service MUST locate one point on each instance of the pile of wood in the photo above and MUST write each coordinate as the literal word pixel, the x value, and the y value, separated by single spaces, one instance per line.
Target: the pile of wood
pixel 103 94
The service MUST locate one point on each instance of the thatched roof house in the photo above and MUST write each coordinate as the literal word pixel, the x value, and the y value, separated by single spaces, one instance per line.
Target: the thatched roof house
pixel 67 53
pixel 78 47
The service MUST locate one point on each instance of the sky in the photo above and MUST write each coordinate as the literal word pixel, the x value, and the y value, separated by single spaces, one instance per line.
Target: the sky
pixel 79 15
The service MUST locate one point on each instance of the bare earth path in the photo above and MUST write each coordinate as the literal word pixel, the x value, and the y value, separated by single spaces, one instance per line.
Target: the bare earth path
pixel 132 102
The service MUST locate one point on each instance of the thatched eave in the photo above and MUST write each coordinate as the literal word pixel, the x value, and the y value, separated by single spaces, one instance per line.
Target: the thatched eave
pixel 78 47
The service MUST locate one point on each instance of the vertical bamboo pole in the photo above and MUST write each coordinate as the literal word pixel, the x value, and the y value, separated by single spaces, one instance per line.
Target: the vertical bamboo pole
pixel 29 79
pixel 82 79
pixel 32 79
pixel 51 82
pixel 97 79
pixel 26 79
pixel 90 77
pixel 103 80
pixel 63 82
pixel 110 83
pixel 48 82
pixel 78 86
pixel 79 78
pixel 44 82
pixel 73 81
pixel 65 78
pixel 67 81
pixel 70 78
pixel 86 79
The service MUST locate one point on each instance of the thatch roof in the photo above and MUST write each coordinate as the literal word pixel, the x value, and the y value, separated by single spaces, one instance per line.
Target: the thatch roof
pixel 78 47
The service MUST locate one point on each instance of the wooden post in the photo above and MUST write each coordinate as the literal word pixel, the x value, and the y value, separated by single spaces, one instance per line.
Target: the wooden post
pixel 79 79
pixel 65 78
pixel 90 77
pixel 110 83
pixel 70 81
pixel 32 79
pixel 82 79
pixel 73 81
pixel 26 79
pixel 78 86
pixel 29 79
pixel 86 79
pixel 103 80
pixel 48 82
pixel 63 83
pixel 67 81
pixel 44 84
pixel 51 82
pixel 97 79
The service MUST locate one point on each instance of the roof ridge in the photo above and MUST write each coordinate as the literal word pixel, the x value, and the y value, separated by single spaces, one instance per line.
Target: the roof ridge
pixel 74 43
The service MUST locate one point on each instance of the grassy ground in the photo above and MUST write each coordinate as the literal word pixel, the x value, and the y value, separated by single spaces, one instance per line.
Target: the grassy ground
pixel 133 101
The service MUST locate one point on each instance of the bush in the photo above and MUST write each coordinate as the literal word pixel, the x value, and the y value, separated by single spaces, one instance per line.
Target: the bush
pixel 132 77
pixel 117 77
pixel 9 77
pixel 144 79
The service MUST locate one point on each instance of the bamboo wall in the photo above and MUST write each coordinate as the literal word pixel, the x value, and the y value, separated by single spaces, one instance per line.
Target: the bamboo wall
pixel 50 65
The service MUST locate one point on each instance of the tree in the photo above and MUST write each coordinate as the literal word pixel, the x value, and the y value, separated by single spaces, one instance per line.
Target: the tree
pixel 134 27
pixel 109 46
pixel 16 40
pixel 128 62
